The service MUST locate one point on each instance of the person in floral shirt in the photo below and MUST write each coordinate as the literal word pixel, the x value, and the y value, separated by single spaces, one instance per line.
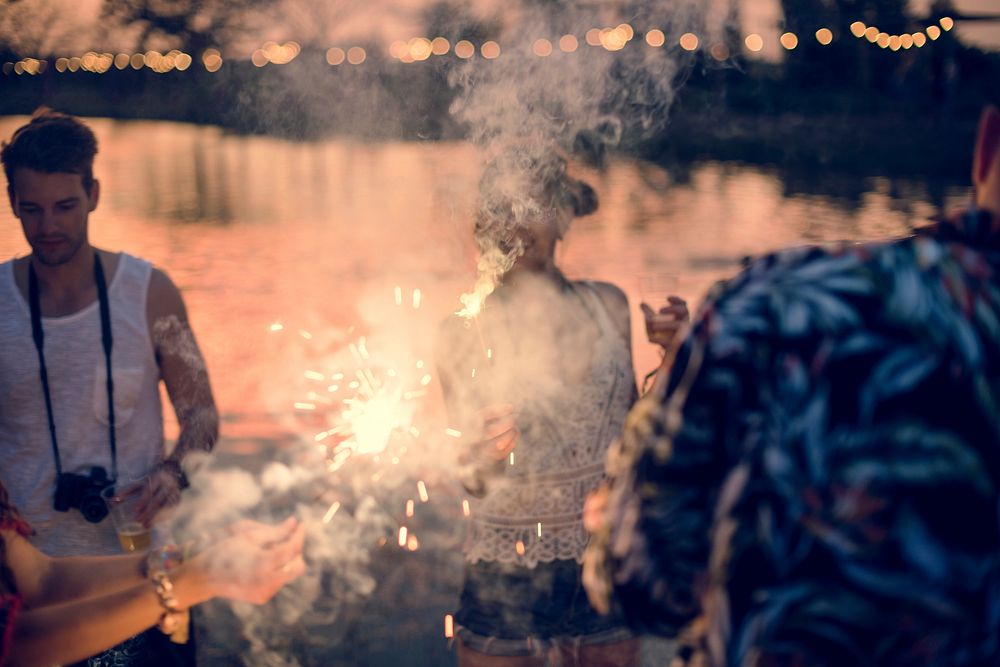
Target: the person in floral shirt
pixel 818 481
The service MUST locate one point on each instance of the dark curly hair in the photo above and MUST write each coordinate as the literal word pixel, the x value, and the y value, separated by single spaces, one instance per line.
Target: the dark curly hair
pixel 51 143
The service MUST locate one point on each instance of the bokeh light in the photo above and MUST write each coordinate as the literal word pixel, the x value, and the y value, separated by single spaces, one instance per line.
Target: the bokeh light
pixel 719 51
pixel 440 46
pixel 335 55
pixel 824 36
pixel 656 38
pixel 689 41
pixel 919 39
pixel 593 37
pixel 883 40
pixel 933 32
pixel 397 50
pixel 789 40
pixel 356 55
pixel 542 48
pixel 465 49
pixel 211 59
pixel 259 58
pixel 420 48
pixel 490 50
pixel 906 41
pixel 947 23
pixel 872 34
pixel 568 43
pixel 858 29
pixel 754 42
pixel 121 60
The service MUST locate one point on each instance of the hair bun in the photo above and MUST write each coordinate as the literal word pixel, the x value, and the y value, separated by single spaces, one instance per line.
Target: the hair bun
pixel 584 198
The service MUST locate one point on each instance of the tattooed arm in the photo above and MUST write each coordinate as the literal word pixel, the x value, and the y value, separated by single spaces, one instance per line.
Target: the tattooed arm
pixel 185 376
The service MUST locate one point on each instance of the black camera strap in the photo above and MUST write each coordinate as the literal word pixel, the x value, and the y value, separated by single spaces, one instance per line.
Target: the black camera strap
pixel 106 340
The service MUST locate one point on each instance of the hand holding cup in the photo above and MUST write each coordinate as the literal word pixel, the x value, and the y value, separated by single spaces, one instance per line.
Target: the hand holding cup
pixel 663 325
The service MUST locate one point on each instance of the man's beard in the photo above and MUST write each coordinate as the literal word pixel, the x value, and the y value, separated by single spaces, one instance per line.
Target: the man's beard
pixel 58 256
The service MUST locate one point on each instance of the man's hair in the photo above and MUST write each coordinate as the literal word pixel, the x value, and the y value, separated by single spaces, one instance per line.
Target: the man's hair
pixel 51 143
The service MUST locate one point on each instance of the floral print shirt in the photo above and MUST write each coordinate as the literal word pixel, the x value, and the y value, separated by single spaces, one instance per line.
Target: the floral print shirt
pixel 820 482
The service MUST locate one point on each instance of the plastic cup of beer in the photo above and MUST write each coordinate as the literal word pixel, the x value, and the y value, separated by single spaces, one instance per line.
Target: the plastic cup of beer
pixel 123 501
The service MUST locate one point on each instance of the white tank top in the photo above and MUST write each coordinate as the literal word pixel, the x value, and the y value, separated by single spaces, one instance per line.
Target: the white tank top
pixel 76 368
pixel 534 514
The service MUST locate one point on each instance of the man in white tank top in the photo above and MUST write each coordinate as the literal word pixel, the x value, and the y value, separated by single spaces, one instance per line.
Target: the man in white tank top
pixel 57 305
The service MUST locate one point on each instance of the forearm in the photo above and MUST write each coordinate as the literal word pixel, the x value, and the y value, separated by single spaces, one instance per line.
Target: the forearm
pixel 72 631
pixel 198 433
pixel 69 579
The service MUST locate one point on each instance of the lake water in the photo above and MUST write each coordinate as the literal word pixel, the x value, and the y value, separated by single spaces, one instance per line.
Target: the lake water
pixel 258 231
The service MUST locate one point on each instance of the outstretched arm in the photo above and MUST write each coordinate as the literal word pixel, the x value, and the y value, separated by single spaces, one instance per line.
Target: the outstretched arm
pixel 77 607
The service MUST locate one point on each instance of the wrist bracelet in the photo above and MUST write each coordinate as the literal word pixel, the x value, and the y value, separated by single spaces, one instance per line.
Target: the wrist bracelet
pixel 173 615
pixel 173 466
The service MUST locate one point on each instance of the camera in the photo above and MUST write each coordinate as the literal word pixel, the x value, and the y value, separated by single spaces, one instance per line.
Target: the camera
pixel 83 492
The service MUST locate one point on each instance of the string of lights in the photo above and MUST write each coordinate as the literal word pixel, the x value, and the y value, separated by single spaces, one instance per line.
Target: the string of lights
pixel 419 49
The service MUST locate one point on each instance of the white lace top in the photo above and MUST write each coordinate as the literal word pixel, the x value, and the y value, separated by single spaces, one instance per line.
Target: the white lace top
pixel 533 513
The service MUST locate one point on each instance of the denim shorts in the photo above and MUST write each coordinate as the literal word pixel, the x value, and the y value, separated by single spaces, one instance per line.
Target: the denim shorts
pixel 509 610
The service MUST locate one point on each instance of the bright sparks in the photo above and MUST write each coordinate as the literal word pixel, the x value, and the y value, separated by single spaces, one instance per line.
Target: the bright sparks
pixel 330 513
pixel 422 490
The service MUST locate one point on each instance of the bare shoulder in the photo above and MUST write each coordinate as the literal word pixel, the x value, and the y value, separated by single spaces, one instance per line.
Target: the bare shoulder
pixel 614 300
pixel 164 298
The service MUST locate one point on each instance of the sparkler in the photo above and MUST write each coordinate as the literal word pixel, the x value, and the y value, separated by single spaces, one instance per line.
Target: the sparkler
pixel 449 626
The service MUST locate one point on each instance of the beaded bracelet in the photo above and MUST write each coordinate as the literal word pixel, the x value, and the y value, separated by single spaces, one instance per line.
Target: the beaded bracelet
pixel 158 564
pixel 173 615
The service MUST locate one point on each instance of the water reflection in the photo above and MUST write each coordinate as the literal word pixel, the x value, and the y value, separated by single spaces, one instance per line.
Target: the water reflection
pixel 256 229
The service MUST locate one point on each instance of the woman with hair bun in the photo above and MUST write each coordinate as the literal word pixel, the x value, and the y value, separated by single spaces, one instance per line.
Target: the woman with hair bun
pixel 541 372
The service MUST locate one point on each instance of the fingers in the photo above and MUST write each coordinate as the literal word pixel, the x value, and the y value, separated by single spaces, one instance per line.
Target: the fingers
pixel 265 534
pixel 284 552
pixel 497 411
pixel 593 509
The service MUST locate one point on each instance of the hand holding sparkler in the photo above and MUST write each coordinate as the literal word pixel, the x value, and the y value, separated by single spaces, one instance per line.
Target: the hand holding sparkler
pixel 499 434
pixel 498 437
pixel 252 564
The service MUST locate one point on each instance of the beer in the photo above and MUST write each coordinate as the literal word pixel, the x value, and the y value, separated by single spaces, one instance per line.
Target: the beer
pixel 134 536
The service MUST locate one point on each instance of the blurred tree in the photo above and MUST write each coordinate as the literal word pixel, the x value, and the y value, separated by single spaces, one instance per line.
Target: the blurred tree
pixel 316 24
pixel 191 25
pixel 40 28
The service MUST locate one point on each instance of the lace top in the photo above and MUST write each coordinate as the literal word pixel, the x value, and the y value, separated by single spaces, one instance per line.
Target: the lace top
pixel 533 512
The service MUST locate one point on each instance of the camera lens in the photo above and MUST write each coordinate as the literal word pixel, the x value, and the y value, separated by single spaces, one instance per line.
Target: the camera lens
pixel 93 507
